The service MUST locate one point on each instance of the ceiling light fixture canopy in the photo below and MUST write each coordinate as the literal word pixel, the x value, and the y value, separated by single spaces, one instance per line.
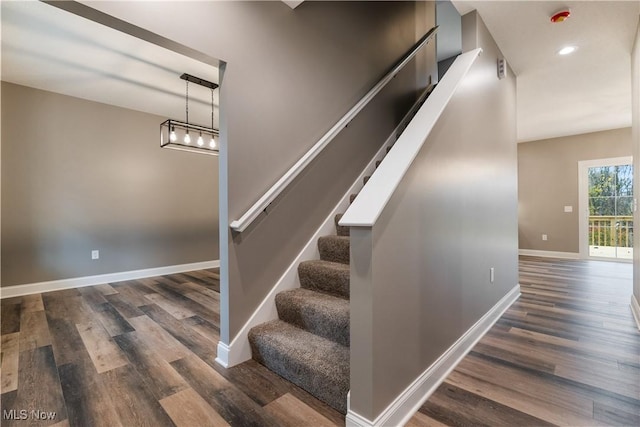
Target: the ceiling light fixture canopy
pixel 170 129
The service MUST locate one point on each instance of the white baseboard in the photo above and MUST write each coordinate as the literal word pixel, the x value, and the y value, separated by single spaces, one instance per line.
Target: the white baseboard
pixel 239 350
pixel 78 282
pixel 635 310
pixel 222 355
pixel 356 420
pixel 549 254
pixel 400 411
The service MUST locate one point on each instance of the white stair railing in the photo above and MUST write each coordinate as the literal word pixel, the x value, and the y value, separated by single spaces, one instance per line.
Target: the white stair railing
pixel 366 208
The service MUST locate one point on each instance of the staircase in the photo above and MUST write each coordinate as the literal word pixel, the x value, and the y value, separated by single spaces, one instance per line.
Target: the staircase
pixel 309 343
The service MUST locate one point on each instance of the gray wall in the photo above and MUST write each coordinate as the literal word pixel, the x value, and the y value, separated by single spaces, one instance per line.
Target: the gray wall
pixel 548 181
pixel 635 98
pixel 78 175
pixel 449 39
pixel 289 76
pixel 420 276
pixel 362 41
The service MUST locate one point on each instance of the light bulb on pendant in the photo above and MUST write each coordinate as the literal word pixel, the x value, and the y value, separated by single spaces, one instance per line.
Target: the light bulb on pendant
pixel 187 138
pixel 200 140
pixel 212 143
pixel 172 135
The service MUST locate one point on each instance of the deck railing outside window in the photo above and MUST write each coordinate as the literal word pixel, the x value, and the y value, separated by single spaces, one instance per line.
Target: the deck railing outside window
pixel 611 231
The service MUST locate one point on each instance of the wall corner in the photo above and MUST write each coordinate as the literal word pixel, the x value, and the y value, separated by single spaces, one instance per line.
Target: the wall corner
pixel 635 143
pixel 470 31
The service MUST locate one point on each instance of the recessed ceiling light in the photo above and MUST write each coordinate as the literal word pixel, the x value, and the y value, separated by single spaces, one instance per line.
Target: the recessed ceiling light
pixel 567 50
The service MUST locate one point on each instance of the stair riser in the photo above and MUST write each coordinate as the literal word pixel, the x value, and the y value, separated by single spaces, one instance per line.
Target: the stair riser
pixel 331 281
pixel 331 325
pixel 340 230
pixel 326 379
pixel 343 231
pixel 335 250
pixel 296 373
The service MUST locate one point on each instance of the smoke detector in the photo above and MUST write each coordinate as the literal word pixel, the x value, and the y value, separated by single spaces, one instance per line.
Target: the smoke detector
pixel 561 16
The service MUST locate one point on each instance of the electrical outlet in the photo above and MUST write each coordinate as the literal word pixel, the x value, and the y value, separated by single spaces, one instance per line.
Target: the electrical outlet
pixel 492 274
pixel 544 237
pixel 95 254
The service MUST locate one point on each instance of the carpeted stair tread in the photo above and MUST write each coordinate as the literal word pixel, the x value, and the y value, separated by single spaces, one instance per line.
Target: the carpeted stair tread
pixel 316 364
pixel 366 179
pixel 352 197
pixel 321 314
pixel 341 230
pixel 378 163
pixel 334 248
pixel 325 276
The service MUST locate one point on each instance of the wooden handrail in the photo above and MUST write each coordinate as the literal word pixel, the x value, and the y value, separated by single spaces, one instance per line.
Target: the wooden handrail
pixel 258 207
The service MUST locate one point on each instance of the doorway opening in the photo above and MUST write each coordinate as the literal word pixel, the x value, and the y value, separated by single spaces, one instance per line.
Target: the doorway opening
pixel 606 207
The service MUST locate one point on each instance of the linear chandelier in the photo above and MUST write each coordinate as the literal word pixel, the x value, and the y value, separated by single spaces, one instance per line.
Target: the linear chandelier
pixel 185 136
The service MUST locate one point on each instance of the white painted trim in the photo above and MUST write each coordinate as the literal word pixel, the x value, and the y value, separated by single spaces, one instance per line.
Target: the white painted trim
pixel 583 198
pixel 222 355
pixel 635 310
pixel 258 207
pixel 353 419
pixel 79 282
pixel 239 350
pixel 293 3
pixel 400 411
pixel 374 197
pixel 549 254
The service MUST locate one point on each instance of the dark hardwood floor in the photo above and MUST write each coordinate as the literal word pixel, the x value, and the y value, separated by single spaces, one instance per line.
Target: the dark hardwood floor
pixel 566 353
pixel 137 353
pixel 142 352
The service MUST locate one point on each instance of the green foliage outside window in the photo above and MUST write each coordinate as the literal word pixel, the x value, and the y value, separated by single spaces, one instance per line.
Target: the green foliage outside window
pixel 611 206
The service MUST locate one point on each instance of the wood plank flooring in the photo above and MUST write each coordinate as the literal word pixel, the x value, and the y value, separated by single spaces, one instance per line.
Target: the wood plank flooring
pixel 566 353
pixel 136 353
pixel 142 352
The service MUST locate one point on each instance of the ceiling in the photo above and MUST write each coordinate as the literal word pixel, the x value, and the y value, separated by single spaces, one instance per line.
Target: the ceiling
pixel 54 50
pixel 587 91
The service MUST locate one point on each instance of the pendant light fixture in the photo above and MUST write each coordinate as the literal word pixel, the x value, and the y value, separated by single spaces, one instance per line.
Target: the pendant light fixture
pixel 175 134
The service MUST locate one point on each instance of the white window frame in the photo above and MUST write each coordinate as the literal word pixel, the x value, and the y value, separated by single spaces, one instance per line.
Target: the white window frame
pixel 583 199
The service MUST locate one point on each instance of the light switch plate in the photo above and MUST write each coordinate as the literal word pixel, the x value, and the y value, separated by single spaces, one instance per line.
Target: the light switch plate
pixel 502 68
pixel 568 208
